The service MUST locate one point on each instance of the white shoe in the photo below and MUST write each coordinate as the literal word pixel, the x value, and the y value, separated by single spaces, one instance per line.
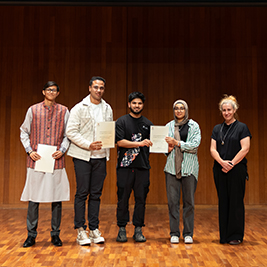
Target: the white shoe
pixel 174 239
pixel 82 238
pixel 95 236
pixel 188 240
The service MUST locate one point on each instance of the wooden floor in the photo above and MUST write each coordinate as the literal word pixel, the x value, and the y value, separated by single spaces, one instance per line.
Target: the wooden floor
pixel 157 251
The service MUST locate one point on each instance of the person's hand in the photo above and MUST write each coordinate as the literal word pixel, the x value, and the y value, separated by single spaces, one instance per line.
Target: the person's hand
pixel 145 142
pixel 171 141
pixel 96 145
pixel 35 156
pixel 57 155
pixel 227 166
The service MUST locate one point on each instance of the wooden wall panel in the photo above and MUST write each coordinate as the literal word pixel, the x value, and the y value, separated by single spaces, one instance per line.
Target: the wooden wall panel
pixel 198 54
pixel 168 53
pixel 65 44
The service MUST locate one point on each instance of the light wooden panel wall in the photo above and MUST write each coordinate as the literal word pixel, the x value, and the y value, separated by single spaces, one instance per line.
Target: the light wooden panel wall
pixel 169 53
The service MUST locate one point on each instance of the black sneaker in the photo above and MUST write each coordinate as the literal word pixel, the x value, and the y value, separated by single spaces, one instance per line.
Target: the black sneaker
pixel 122 235
pixel 138 236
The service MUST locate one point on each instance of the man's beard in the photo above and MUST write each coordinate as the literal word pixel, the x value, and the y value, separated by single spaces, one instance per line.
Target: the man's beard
pixel 136 112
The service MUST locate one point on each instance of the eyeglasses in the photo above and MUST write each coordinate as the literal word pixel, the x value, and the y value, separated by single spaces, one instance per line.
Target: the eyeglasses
pixel 179 109
pixel 50 90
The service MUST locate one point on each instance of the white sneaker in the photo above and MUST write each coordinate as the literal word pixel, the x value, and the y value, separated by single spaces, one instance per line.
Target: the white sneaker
pixel 174 239
pixel 82 238
pixel 95 236
pixel 188 240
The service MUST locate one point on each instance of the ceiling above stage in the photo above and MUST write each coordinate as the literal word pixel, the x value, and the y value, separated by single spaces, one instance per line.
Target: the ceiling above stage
pixel 139 2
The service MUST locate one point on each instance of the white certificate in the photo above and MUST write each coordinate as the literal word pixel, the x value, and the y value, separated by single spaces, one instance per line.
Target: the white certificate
pixel 47 162
pixel 157 137
pixel 105 132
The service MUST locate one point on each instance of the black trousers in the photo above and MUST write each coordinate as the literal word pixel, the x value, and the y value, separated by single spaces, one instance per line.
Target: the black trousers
pixel 129 179
pixel 90 178
pixel 231 191
pixel 33 214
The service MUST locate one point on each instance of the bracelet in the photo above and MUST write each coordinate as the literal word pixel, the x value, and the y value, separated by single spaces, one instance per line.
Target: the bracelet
pixel 29 153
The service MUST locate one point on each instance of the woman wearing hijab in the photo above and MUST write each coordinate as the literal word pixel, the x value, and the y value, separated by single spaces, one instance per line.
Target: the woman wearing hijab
pixel 230 143
pixel 181 170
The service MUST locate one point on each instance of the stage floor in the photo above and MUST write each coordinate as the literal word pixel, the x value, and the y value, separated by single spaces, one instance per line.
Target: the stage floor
pixel 157 251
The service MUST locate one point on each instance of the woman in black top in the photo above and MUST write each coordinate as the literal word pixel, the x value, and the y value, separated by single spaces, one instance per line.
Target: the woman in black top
pixel 230 143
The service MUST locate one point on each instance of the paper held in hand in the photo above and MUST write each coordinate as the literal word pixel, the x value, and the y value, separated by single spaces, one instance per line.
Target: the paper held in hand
pixel 157 137
pixel 105 132
pixel 47 162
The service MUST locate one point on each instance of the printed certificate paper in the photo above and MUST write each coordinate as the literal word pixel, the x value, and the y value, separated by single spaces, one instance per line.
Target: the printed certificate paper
pixel 47 162
pixel 105 132
pixel 157 137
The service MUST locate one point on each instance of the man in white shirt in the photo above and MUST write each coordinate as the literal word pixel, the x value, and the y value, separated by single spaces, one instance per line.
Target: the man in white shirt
pixel 89 158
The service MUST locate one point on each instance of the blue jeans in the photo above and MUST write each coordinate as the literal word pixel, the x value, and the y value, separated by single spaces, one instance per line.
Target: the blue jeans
pixel 174 186
pixel 90 178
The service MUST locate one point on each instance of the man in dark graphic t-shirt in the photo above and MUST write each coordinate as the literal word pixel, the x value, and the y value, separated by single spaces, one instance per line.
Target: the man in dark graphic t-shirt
pixel 132 138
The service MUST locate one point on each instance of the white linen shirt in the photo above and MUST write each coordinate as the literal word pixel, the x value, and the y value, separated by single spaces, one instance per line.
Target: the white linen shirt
pixel 81 128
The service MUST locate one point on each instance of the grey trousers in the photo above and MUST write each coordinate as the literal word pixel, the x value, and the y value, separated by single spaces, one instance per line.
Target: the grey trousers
pixel 174 186
pixel 33 214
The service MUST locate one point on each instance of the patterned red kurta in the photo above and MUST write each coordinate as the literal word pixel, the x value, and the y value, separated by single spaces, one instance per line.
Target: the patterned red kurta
pixel 47 128
pixel 45 125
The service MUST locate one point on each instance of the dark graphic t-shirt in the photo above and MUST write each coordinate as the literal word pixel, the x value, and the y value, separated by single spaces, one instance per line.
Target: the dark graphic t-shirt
pixel 133 129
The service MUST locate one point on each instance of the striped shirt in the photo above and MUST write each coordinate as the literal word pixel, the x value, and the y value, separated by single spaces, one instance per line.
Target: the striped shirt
pixel 190 161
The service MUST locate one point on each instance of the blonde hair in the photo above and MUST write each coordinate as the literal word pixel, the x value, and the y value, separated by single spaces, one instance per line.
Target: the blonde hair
pixel 229 100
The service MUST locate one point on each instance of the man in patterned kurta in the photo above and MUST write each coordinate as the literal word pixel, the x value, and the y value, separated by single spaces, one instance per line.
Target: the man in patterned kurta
pixel 45 123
